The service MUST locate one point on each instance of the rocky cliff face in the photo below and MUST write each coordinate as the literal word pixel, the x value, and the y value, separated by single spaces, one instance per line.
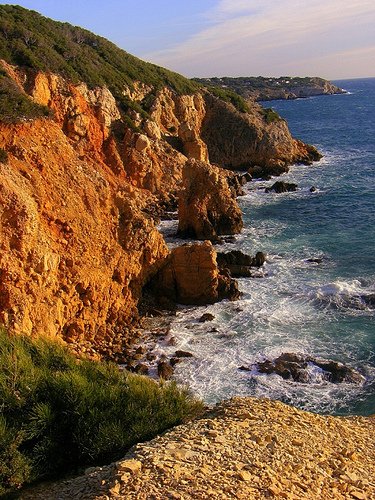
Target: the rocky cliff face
pixel 252 141
pixel 77 241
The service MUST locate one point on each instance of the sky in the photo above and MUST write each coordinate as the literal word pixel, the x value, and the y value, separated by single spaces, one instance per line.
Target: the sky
pixel 334 39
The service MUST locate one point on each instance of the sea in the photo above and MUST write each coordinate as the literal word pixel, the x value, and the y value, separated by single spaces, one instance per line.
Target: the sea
pixel 307 298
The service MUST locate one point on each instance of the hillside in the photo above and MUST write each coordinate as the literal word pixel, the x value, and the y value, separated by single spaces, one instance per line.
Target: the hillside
pixel 261 88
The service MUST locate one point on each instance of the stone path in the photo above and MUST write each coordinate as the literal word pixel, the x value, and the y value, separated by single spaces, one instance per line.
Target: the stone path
pixel 244 448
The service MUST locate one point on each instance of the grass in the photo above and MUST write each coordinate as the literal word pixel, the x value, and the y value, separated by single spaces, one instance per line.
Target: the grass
pixel 58 413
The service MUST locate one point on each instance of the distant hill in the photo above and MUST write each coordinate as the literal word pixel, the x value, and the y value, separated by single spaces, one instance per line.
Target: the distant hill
pixel 261 88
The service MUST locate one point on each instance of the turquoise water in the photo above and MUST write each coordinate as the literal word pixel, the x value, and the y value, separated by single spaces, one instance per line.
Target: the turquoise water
pixel 301 306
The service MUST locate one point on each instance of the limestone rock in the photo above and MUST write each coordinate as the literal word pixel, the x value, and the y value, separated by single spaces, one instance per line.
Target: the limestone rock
pixel 256 143
pixel 206 206
pixel 190 276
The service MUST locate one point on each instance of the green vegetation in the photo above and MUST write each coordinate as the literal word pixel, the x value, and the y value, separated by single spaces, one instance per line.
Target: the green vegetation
pixel 229 96
pixel 3 156
pixel 243 85
pixel 33 41
pixel 270 115
pixel 58 413
pixel 30 40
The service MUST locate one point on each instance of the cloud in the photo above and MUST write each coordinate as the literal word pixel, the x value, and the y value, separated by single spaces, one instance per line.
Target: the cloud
pixel 243 33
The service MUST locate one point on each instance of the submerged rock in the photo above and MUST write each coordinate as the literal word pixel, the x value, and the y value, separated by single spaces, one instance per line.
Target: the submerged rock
pixel 299 368
pixel 282 187
pixel 369 299
pixel 238 263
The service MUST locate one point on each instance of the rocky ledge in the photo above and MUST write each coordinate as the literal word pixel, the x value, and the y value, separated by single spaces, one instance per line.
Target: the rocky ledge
pixel 244 448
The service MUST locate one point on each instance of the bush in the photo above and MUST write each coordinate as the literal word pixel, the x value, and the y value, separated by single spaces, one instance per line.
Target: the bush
pixel 227 95
pixel 3 156
pixel 59 413
pixel 270 115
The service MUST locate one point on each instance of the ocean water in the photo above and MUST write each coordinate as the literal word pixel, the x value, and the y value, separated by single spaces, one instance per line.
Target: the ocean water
pixel 299 306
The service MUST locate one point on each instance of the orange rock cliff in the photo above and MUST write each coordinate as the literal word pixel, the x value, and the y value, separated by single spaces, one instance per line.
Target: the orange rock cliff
pixel 79 193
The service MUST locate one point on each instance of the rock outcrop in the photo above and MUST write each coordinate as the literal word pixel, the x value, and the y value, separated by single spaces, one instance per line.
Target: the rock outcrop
pixel 238 263
pixel 255 142
pixel 190 275
pixel 75 246
pixel 206 206
pixel 304 369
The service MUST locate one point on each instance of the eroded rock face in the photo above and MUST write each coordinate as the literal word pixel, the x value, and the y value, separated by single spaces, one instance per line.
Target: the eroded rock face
pixel 254 142
pixel 75 246
pixel 206 206
pixel 190 276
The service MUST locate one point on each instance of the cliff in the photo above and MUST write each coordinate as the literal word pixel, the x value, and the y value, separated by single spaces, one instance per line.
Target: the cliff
pixel 85 170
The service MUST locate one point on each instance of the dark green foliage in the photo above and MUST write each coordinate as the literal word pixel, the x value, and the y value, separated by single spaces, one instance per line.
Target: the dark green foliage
pixel 3 156
pixel 270 115
pixel 58 413
pixel 15 105
pixel 41 44
pixel 31 40
pixel 243 84
pixel 229 96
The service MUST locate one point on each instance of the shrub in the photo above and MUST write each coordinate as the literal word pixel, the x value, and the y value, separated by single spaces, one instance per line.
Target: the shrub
pixel 59 413
pixel 270 115
pixel 229 96
pixel 3 156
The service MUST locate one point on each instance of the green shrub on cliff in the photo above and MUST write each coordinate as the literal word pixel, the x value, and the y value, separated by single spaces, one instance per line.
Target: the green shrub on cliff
pixel 58 413
pixel 270 115
pixel 229 96
pixel 16 105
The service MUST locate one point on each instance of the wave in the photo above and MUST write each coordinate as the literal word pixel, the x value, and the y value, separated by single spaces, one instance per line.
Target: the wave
pixel 345 295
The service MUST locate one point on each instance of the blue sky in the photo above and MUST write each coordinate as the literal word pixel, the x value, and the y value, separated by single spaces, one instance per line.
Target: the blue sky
pixel 330 38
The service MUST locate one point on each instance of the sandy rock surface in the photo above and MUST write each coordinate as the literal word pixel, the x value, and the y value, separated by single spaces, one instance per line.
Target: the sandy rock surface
pixel 245 448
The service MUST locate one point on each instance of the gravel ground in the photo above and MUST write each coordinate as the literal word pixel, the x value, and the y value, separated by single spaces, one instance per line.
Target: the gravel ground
pixel 244 448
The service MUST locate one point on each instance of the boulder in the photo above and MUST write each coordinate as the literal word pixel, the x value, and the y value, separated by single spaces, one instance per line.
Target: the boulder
pixel 206 208
pixel 141 369
pixel 239 263
pixel 183 354
pixel 295 367
pixel 165 371
pixel 206 317
pixel 282 187
pixel 191 276
pixel 142 143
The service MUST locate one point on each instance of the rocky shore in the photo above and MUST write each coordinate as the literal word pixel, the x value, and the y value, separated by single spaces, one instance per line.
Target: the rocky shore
pixel 244 448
